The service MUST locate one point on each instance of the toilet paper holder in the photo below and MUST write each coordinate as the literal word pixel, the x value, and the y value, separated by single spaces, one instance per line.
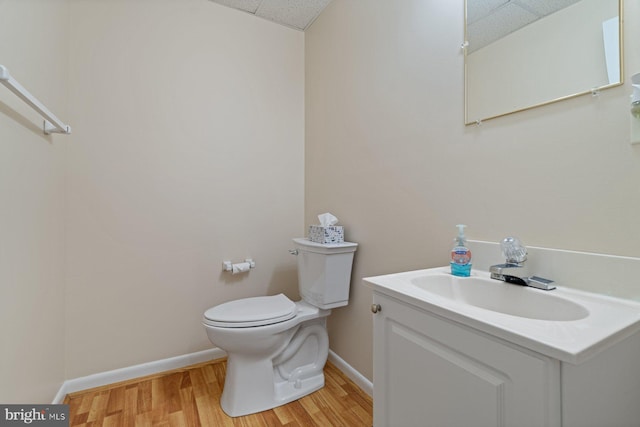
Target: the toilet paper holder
pixel 238 267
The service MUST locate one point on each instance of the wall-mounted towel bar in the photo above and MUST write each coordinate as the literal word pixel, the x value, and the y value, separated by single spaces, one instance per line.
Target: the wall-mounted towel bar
pixel 51 123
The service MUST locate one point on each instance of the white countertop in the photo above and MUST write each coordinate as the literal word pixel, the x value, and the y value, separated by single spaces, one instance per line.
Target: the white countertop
pixel 609 320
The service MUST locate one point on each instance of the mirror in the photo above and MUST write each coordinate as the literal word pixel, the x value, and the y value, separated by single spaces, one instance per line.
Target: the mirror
pixel 521 54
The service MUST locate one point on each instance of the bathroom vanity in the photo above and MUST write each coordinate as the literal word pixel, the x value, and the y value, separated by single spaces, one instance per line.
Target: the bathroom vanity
pixel 453 351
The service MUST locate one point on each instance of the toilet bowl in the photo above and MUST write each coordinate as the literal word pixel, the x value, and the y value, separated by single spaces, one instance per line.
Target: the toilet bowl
pixel 276 348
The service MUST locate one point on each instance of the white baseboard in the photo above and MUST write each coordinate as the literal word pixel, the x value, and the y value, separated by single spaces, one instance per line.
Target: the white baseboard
pixel 150 368
pixel 355 376
pixel 136 371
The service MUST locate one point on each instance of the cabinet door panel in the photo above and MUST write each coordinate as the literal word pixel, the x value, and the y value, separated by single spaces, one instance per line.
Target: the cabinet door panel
pixel 458 390
pixel 432 372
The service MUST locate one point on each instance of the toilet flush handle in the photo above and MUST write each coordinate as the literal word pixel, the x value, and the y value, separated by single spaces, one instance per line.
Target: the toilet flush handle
pixel 293 251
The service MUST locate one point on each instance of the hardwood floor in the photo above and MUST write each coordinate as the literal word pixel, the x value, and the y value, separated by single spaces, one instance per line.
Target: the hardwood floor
pixel 190 397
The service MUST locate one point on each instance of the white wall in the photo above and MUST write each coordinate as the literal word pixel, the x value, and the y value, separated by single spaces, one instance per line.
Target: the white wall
pixel 385 109
pixel 33 36
pixel 188 149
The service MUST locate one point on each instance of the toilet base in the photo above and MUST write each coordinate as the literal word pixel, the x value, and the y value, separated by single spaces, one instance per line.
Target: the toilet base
pixel 239 402
pixel 256 383
pixel 272 365
pixel 287 392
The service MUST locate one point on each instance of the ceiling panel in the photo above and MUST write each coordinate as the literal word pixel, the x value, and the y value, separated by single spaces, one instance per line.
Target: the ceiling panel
pixel 298 14
pixel 479 9
pixel 293 13
pixel 245 5
pixel 496 25
pixel 545 7
pixel 490 20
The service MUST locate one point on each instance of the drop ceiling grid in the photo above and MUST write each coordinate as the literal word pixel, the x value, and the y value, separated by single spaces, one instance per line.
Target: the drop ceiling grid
pixel 297 14
pixel 490 20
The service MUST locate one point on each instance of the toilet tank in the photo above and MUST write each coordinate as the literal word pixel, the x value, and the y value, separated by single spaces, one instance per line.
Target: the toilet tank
pixel 324 272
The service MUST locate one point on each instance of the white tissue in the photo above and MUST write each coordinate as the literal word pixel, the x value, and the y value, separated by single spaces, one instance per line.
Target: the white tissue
pixel 241 267
pixel 635 97
pixel 635 83
pixel 326 219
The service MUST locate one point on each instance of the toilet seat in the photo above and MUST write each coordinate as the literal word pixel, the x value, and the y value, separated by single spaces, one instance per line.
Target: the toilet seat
pixel 251 312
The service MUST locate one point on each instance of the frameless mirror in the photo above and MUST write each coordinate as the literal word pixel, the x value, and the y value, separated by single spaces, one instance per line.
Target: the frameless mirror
pixel 521 54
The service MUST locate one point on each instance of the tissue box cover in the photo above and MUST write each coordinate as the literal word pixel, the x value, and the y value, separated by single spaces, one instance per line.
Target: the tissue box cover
pixel 328 234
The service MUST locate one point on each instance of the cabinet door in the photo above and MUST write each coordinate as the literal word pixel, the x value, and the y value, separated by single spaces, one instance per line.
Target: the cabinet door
pixel 429 371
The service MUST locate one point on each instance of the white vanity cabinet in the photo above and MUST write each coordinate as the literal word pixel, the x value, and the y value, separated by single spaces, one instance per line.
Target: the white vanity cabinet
pixel 433 372
pixel 472 351
pixel 604 390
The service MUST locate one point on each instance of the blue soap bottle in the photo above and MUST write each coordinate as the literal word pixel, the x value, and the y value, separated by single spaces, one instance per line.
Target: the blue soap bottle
pixel 461 255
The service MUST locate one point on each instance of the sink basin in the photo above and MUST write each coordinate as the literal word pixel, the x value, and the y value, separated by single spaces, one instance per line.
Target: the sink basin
pixel 502 297
pixel 566 324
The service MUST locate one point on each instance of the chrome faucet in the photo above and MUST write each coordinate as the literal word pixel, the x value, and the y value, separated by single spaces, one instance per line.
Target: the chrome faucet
pixel 514 269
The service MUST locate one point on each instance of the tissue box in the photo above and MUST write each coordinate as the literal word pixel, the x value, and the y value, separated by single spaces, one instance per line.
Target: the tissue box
pixel 328 234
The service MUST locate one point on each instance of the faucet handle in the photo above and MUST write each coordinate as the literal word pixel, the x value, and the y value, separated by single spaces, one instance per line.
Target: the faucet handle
pixel 513 250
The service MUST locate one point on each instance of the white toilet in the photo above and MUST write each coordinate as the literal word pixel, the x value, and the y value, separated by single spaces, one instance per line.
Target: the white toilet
pixel 277 348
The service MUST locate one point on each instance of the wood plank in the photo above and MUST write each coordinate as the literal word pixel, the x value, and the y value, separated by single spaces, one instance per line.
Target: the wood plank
pixel 130 406
pixel 190 397
pixel 115 404
pixel 98 407
pixel 189 408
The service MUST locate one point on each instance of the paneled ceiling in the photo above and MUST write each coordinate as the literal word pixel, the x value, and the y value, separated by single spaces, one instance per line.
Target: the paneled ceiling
pixel 297 14
pixel 487 20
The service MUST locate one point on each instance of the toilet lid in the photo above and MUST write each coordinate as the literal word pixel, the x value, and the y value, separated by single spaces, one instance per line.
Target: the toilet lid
pixel 248 312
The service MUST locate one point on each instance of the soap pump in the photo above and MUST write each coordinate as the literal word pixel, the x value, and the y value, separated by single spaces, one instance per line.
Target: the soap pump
pixel 461 255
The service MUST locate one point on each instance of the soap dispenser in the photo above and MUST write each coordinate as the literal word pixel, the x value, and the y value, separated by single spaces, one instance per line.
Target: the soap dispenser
pixel 461 255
